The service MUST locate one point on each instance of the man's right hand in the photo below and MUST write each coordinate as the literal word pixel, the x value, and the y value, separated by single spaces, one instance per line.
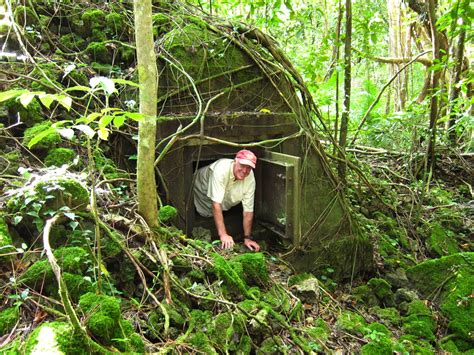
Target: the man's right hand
pixel 227 242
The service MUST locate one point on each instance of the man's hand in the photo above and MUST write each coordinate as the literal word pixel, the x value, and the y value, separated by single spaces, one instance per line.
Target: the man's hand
pixel 227 242
pixel 251 244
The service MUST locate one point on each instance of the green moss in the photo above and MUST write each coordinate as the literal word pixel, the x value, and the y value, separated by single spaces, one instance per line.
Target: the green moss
pixel 278 298
pixel 6 243
pixel 271 345
pixel 126 340
pixel 99 52
pixel 73 42
pixel 110 248
pixel 10 165
pixel 441 241
pixel 48 141
pixel 414 345
pixel 351 322
pixel 201 343
pixel 296 279
pixel 103 315
pixel 228 332
pixel 77 285
pixel 59 156
pixel 55 337
pixel 382 346
pixel 167 213
pixel 67 192
pixel 8 319
pixel 94 18
pixel 389 315
pixel 38 273
pixel 365 294
pixel 25 16
pixel 254 268
pixel 458 306
pixel 320 331
pixel 114 23
pixel 420 329
pixel 380 287
pixel 30 115
pixel 231 273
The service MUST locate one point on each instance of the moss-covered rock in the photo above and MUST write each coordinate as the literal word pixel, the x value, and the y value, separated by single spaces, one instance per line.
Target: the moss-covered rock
pixel 59 156
pixel 99 52
pixel 271 345
pixel 8 319
pixel 441 241
pixel 381 346
pixel 30 115
pixel 73 42
pixel 455 275
pixel 351 322
pixel 103 315
pixel 50 137
pixel 63 192
pixel 11 162
pixel 254 268
pixel 389 316
pixel 55 338
pixel 93 19
pixel 228 333
pixel 167 213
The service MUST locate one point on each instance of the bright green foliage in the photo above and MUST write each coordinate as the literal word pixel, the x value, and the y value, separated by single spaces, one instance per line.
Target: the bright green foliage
pixel 59 156
pixel 6 243
pixel 167 213
pixel 68 192
pixel 382 346
pixel 72 41
pixel 114 23
pixel 76 285
pixel 351 322
pixel 420 329
pixel 320 331
pixel 231 272
pixel 133 343
pixel 228 333
pixel 202 343
pixel 47 142
pixel 278 298
pixel 271 345
pixel 8 319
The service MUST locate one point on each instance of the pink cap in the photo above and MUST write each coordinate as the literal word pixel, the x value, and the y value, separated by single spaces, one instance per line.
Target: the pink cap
pixel 246 157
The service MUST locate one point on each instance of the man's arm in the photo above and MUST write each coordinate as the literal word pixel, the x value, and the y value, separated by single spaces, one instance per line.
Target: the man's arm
pixel 227 240
pixel 247 224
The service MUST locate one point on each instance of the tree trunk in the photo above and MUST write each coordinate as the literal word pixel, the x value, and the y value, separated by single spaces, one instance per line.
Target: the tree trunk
pixel 148 79
pixel 434 88
pixel 347 89
pixel 456 74
pixel 399 47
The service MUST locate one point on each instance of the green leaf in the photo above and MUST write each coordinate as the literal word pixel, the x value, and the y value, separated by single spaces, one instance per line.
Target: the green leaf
pixel 26 98
pixel 70 215
pixel 78 88
pixel 105 120
pixel 40 136
pixel 134 116
pixel 119 121
pixel 65 101
pixel 73 224
pixel 46 99
pixel 103 133
pixel 17 219
pixel 125 82
pixel 10 94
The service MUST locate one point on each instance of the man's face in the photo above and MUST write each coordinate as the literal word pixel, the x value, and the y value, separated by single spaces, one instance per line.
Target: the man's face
pixel 241 171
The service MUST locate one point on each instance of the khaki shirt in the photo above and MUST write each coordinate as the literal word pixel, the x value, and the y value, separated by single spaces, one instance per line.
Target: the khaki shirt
pixel 216 182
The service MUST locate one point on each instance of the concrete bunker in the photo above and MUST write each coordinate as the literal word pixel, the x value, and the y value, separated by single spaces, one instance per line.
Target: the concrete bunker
pixel 227 87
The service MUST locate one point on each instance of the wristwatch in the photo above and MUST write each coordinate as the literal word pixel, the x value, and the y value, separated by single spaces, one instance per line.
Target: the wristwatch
pixel 248 237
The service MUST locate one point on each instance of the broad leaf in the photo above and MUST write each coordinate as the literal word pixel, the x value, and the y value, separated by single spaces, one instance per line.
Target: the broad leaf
pixel 119 121
pixel 89 132
pixel 103 133
pixel 26 98
pixel 65 101
pixel 125 82
pixel 40 136
pixel 67 133
pixel 46 99
pixel 10 94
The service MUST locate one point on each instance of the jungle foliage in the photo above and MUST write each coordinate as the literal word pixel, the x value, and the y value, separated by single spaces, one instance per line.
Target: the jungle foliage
pixel 82 272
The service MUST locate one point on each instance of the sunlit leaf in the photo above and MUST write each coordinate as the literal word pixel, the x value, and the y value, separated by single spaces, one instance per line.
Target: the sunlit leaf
pixel 67 133
pixel 10 94
pixel 46 99
pixel 40 136
pixel 119 121
pixel 68 69
pixel 65 101
pixel 103 133
pixel 89 132
pixel 26 98
pixel 103 83
pixel 134 116
pixel 78 88
pixel 105 120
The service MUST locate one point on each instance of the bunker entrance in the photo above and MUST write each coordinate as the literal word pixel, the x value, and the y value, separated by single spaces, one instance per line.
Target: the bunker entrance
pixel 277 194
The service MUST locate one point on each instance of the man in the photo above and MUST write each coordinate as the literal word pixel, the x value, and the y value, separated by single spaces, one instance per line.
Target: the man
pixel 222 185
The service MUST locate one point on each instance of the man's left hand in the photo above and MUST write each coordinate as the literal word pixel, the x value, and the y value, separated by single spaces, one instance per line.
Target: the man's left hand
pixel 251 244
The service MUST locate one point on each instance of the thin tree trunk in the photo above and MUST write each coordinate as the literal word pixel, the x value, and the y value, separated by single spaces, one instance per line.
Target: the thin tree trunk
pixel 456 76
pixel 434 88
pixel 148 78
pixel 336 56
pixel 347 89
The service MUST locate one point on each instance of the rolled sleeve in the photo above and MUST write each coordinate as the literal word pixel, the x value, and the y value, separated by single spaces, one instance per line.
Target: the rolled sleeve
pixel 249 195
